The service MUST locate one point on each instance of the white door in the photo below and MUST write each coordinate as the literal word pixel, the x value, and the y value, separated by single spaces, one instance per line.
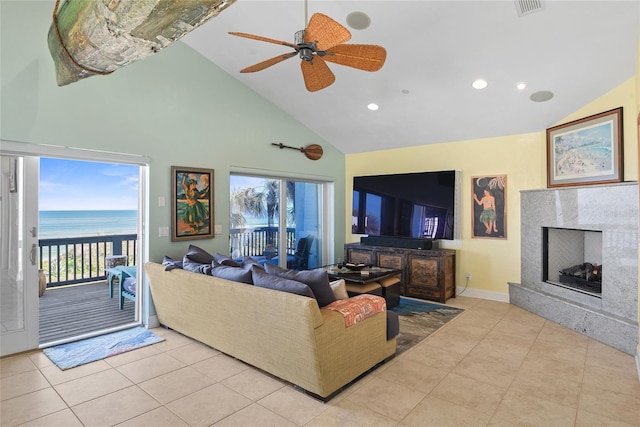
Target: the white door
pixel 18 254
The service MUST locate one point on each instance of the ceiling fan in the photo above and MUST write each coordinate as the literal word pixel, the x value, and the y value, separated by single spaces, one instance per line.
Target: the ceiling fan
pixel 322 40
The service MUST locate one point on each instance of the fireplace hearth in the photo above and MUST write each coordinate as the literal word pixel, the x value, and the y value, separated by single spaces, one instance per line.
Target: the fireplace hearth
pixel 563 230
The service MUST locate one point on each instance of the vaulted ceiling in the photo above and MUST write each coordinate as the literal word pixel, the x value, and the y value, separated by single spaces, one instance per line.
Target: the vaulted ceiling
pixel 578 50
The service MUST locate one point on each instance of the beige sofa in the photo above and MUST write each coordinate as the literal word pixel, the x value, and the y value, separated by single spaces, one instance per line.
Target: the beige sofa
pixel 284 334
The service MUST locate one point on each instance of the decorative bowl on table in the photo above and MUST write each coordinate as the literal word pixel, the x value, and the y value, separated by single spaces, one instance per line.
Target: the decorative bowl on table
pixel 355 267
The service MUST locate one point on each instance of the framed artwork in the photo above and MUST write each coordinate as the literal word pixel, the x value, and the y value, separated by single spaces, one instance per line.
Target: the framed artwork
pixel 586 151
pixel 489 207
pixel 191 203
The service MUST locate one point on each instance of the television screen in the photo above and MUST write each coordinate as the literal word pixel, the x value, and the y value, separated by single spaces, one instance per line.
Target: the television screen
pixel 417 205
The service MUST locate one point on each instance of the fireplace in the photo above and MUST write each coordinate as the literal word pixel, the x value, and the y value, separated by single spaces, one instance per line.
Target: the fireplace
pixel 573 259
pixel 564 228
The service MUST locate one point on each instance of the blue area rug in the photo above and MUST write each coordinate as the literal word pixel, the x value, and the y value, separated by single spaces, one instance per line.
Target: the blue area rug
pixel 419 319
pixel 70 355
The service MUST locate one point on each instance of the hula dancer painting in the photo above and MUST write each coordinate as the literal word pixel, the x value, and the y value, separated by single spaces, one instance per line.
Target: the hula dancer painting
pixel 191 203
pixel 489 213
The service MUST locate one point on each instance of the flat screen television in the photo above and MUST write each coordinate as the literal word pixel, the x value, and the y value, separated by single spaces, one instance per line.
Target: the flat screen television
pixel 415 205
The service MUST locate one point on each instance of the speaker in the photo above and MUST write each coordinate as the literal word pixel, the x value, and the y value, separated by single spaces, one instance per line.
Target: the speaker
pixel 397 242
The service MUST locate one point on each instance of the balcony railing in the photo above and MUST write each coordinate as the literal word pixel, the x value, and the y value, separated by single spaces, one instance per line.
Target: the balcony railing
pixel 255 241
pixel 74 260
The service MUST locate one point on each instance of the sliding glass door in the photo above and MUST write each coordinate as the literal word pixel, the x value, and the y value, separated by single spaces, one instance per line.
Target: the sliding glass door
pixel 276 221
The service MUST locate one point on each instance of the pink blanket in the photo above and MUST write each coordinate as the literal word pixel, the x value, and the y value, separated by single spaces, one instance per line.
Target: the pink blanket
pixel 358 308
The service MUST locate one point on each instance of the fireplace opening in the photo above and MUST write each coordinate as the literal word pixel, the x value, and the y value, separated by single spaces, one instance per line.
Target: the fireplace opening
pixel 573 259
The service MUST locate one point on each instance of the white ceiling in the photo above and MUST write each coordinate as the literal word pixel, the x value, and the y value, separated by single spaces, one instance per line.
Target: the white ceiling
pixel 579 50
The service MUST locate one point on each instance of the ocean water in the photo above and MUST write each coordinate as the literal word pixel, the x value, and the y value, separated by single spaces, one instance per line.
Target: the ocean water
pixel 59 224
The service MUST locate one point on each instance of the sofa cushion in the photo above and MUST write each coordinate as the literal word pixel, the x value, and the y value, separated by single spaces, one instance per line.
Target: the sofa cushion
pixel 317 280
pixel 265 280
pixel 235 274
pixel 250 262
pixel 339 288
pixel 225 260
pixel 170 263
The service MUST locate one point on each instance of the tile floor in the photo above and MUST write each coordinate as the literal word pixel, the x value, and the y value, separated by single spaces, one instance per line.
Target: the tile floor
pixel 495 365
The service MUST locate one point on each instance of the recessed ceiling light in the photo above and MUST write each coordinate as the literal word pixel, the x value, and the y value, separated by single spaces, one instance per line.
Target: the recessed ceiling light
pixel 358 20
pixel 405 91
pixel 521 86
pixel 373 107
pixel 541 96
pixel 480 84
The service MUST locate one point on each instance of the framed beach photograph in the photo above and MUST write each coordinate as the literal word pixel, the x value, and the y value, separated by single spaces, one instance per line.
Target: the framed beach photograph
pixel 191 203
pixel 489 207
pixel 586 151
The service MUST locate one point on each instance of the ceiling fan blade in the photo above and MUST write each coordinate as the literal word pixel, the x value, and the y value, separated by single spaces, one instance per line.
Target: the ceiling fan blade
pixel 264 39
pixel 268 63
pixel 367 57
pixel 317 74
pixel 326 32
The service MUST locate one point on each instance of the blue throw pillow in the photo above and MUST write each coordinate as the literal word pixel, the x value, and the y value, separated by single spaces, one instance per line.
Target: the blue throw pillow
pixel 269 281
pixel 196 267
pixel 235 274
pixel 170 263
pixel 225 260
pixel 199 255
pixel 317 280
pixel 249 262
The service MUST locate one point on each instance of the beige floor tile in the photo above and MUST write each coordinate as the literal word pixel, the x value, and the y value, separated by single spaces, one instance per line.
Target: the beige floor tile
pixel 13 365
pixel 387 398
pixel 563 370
pixel 413 375
pixel 293 405
pixel 462 302
pixel 90 387
pixel 610 404
pixel 57 376
pixel 209 405
pixel 503 347
pixel 254 415
pixel 132 356
pixel 23 383
pixel 433 356
pixel 172 340
pixel 30 407
pixel 64 418
pixel 160 417
pixel 572 353
pixel 435 412
pixel 150 367
pixel 518 409
pixel 602 355
pixel 115 408
pixel 560 334
pixel 175 384
pixel 479 317
pixel 349 414
pixel 192 353
pixel 220 367
pixel 612 379
pixel 40 359
pixel 519 327
pixel 457 340
pixel 253 384
pixel 487 370
pixel 469 393
pixel 589 419
pixel 541 385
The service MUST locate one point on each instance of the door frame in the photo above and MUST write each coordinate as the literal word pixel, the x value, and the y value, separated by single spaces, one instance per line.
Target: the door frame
pixel 13 148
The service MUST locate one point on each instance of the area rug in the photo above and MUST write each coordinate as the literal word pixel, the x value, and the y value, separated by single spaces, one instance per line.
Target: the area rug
pixel 419 319
pixel 70 355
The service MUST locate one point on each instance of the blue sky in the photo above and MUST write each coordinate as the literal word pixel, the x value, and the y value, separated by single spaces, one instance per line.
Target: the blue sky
pixel 80 185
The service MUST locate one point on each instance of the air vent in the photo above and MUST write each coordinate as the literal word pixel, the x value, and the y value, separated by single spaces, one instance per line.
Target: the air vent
pixel 526 7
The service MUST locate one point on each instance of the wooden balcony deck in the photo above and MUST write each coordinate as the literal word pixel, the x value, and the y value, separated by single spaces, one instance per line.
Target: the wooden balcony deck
pixel 71 311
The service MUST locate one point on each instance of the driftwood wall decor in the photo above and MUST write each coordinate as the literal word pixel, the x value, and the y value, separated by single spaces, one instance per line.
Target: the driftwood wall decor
pixel 97 37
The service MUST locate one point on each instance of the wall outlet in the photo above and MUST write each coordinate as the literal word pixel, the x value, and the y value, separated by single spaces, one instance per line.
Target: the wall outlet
pixel 468 276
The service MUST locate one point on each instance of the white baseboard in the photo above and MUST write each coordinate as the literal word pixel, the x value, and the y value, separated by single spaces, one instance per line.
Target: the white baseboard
pixel 479 293
pixel 152 322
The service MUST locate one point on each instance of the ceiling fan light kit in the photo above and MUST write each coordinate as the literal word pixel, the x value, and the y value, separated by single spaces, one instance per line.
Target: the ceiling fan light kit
pixel 322 41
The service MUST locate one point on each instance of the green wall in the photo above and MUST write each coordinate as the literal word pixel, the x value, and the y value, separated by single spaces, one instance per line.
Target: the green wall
pixel 175 107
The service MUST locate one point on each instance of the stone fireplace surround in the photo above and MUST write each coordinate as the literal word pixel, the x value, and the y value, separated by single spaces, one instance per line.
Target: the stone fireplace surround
pixel 611 209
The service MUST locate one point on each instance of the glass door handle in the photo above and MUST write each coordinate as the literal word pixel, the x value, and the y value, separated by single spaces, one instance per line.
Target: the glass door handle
pixel 32 255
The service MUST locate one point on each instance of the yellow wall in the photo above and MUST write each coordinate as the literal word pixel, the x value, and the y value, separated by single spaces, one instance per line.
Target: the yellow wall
pixel 492 262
